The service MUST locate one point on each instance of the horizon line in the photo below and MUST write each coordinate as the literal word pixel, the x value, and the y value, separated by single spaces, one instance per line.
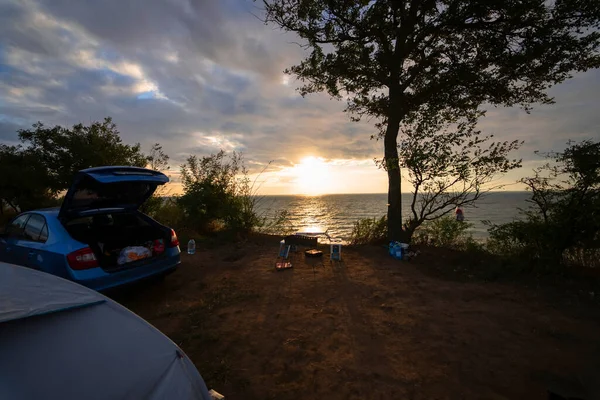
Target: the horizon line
pixel 349 193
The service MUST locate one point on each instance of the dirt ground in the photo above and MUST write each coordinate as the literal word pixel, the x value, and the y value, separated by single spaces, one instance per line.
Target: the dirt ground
pixel 369 327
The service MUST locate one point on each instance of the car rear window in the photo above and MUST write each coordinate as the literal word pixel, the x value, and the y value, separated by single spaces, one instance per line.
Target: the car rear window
pixel 109 219
pixel 34 227
pixel 92 194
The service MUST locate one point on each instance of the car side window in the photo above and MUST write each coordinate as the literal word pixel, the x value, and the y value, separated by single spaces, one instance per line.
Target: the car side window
pixel 44 234
pixel 17 226
pixel 34 227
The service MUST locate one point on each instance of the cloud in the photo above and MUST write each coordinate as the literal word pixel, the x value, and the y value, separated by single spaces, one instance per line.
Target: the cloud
pixel 7 131
pixel 573 116
pixel 201 75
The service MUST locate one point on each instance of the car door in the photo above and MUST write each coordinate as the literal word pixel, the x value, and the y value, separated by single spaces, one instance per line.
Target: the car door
pixel 9 251
pixel 30 247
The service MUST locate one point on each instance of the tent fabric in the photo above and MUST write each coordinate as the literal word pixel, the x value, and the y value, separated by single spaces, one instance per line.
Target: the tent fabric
pixel 94 350
pixel 25 292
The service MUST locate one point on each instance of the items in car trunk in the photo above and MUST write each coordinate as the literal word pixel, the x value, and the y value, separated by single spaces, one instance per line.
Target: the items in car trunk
pixel 133 253
pixel 108 234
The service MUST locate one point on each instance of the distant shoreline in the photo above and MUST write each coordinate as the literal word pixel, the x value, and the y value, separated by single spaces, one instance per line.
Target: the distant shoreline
pixel 339 212
pixel 366 194
pixel 354 194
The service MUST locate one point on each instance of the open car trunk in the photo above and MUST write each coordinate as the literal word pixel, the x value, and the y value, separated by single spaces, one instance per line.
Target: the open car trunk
pixel 112 234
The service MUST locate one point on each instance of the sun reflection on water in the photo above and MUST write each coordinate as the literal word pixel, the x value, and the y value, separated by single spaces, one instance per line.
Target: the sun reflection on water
pixel 312 215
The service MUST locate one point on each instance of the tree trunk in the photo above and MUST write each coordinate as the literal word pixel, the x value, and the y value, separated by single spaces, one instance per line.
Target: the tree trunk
pixel 392 165
pixel 410 230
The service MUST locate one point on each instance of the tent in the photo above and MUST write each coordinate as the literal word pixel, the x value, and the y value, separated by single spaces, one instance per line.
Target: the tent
pixel 60 340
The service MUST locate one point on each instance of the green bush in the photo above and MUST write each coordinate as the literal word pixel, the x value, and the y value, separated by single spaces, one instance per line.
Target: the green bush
pixel 563 225
pixel 167 212
pixel 216 189
pixel 369 231
pixel 522 239
pixel 583 257
pixel 445 231
pixel 153 205
pixel 280 224
pixel 536 242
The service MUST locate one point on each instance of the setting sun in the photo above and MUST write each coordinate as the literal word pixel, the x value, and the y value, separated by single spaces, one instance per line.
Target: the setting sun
pixel 312 176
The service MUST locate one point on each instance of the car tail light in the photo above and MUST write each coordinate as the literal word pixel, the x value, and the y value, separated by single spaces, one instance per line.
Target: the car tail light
pixel 82 259
pixel 174 241
pixel 159 246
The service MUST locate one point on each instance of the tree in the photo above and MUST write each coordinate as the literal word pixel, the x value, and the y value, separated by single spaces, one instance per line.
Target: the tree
pixel 565 212
pixel 157 160
pixel 449 165
pixel 395 60
pixel 217 188
pixel 33 173
pixel 65 151
pixel 24 182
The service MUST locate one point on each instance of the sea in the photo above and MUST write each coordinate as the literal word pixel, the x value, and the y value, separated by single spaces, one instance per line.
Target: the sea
pixel 337 213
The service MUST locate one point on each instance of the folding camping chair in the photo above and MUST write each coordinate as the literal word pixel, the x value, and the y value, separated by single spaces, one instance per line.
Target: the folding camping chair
pixel 282 261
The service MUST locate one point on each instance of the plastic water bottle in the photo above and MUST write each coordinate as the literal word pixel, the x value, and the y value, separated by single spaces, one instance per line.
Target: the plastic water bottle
pixel 191 246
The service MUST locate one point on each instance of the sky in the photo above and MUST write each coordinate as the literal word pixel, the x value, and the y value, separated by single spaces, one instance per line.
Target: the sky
pixel 199 76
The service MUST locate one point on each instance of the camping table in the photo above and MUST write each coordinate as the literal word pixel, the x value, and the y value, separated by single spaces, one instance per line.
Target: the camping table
pixel 307 236
pixel 315 231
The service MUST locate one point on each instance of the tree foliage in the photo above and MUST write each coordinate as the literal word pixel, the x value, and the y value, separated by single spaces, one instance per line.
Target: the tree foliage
pixel 24 181
pixel 217 188
pixel 395 60
pixel 446 232
pixel 47 159
pixel 157 160
pixel 565 212
pixel 369 231
pixel 65 151
pixel 450 164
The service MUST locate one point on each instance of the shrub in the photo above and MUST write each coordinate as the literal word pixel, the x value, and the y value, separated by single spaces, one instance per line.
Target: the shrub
pixel 153 205
pixel 217 188
pixel 279 224
pixel 369 231
pixel 563 224
pixel 445 231
pixel 583 257
pixel 518 239
pixel 245 201
pixel 168 212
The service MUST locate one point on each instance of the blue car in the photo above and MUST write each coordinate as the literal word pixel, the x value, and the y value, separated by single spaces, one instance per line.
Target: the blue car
pixel 98 237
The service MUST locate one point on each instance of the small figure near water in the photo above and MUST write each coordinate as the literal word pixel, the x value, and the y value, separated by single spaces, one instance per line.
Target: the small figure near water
pixel 459 214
